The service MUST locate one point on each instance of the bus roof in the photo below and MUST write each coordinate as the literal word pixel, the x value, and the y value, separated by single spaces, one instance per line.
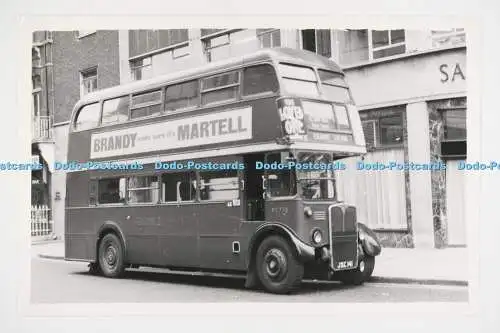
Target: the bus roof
pixel 276 54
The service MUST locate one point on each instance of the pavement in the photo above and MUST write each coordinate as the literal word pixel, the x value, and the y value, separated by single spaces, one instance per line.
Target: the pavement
pixel 447 266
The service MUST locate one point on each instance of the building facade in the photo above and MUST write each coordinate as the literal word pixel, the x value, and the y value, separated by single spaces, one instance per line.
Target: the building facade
pixel 80 62
pixel 410 87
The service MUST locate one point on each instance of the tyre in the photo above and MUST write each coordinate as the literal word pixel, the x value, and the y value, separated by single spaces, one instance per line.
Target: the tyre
pixel 361 274
pixel 94 268
pixel 111 256
pixel 278 267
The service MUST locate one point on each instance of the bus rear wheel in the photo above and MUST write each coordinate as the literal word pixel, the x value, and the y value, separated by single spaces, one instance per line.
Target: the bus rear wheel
pixel 278 268
pixel 111 256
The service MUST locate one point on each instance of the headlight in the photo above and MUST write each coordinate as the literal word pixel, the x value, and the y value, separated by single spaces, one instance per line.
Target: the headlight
pixel 317 236
pixel 308 211
pixel 361 235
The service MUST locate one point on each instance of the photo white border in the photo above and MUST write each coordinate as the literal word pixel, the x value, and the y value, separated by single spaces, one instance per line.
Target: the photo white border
pixel 19 34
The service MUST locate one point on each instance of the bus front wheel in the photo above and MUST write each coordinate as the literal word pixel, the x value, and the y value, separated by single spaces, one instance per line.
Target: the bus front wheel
pixel 361 274
pixel 111 256
pixel 278 268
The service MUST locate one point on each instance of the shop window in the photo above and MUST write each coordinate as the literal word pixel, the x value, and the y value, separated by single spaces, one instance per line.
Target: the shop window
pixel 269 37
pixel 454 124
pixel 317 41
pixel 384 131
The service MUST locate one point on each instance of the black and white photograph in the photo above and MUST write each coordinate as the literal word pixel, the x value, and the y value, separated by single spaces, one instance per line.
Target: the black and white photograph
pixel 263 166
pixel 249 165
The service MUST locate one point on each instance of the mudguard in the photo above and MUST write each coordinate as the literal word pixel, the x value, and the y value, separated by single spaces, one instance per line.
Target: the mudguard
pixel 110 225
pixel 369 240
pixel 305 252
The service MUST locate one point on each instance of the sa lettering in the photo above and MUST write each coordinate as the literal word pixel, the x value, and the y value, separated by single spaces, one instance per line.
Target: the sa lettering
pixel 454 72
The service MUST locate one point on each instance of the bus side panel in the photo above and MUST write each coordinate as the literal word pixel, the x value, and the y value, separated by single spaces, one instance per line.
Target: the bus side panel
pixel 219 227
pixel 80 235
pixel 178 241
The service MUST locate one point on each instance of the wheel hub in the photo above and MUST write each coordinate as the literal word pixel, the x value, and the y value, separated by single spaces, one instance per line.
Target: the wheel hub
pixel 110 256
pixel 275 262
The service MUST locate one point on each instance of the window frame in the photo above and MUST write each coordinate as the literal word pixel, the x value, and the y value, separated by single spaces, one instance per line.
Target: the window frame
pixel 161 103
pixel 381 144
pixel 128 189
pixel 99 116
pixel 98 186
pixel 102 101
pixel 184 109
pixel 443 113
pixel 177 202
pixel 257 95
pixel 372 49
pixel 269 32
pixel 237 187
pixel 201 91
pixel 133 69
pixel 301 39
pixel 84 77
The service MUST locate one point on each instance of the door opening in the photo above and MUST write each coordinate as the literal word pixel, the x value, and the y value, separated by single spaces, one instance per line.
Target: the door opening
pixel 254 193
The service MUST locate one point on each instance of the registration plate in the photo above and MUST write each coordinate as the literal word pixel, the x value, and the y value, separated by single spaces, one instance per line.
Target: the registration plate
pixel 345 264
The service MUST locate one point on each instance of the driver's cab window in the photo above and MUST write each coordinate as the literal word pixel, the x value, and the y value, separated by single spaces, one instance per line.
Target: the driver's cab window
pixel 281 180
pixel 316 183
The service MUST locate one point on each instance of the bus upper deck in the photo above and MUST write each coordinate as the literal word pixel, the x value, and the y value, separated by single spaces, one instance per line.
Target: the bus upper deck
pixel 272 99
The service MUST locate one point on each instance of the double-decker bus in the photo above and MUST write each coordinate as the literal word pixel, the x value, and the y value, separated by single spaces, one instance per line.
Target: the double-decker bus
pixel 223 168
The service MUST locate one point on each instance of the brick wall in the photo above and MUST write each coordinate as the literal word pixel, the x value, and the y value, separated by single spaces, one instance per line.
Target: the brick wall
pixel 71 55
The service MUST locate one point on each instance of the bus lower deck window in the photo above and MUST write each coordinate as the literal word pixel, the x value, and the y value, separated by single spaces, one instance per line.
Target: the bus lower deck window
pixel 111 190
pixel 178 187
pixel 219 185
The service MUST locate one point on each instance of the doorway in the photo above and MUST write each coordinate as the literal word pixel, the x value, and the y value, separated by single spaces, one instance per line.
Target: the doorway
pixel 253 192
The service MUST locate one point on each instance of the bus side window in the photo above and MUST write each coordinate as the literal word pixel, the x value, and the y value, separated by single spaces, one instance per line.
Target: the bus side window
pixel 259 79
pixel 223 87
pixel 111 190
pixel 178 187
pixel 142 189
pixel 115 110
pixel 93 192
pixel 181 96
pixel 88 117
pixel 219 185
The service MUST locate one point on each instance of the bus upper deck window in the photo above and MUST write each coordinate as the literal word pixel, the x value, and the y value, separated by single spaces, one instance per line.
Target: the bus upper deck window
pixel 299 80
pixel 259 79
pixel 88 117
pixel 334 86
pixel 115 110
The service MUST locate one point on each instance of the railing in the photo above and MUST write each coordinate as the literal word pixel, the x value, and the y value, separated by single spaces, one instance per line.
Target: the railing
pixel 42 128
pixel 41 222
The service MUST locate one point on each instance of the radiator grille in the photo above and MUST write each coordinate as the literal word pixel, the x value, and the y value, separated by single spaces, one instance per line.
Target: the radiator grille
pixel 319 215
